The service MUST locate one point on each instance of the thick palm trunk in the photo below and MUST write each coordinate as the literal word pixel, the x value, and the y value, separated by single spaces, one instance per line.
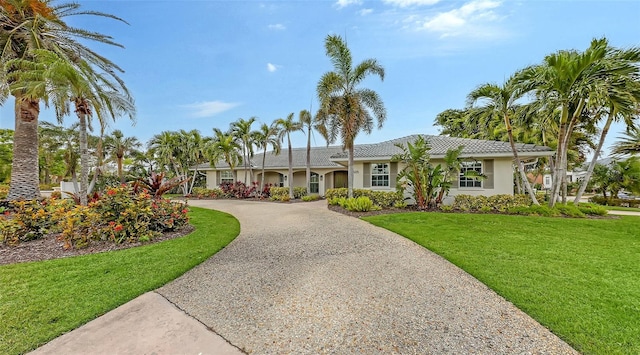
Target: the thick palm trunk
pixel 120 174
pixel 290 177
pixel 24 169
pixel 350 172
pixel 264 155
pixel 81 111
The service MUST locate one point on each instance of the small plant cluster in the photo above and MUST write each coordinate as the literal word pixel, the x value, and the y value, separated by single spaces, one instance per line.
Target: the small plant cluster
pixel 238 189
pixel 4 191
pixel 355 204
pixel 203 192
pixel 521 205
pixel 279 194
pixel 120 215
pixel 604 201
pixel 384 199
pixel 310 198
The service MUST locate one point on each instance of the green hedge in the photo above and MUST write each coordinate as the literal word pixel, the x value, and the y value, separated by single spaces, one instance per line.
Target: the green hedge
pixel 521 205
pixel 614 202
pixel 384 199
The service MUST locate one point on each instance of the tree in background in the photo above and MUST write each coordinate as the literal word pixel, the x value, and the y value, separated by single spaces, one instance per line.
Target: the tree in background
pixel 241 130
pixel 118 147
pixel 285 128
pixel 6 155
pixel 628 143
pixel 267 136
pixel 224 147
pixel 346 110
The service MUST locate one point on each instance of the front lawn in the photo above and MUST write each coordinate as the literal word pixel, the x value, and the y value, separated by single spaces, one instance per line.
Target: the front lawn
pixel 578 277
pixel 42 300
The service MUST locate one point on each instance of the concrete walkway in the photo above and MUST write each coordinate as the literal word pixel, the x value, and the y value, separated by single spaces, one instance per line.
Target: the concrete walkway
pixel 300 279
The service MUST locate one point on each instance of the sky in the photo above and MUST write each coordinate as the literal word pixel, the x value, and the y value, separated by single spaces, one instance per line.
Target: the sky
pixel 204 64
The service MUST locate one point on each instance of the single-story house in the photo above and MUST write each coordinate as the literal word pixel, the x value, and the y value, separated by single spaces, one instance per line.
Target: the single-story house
pixel 374 169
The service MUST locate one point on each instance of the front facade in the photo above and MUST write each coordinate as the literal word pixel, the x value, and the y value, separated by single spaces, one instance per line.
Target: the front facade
pixel 373 168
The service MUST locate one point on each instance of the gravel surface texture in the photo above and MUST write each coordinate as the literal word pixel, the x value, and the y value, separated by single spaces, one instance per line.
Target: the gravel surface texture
pixel 300 279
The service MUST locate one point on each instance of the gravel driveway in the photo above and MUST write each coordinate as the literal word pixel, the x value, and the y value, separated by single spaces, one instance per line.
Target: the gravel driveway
pixel 305 280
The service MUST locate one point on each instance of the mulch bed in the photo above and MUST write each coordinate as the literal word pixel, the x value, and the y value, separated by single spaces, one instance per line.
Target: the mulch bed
pixel 50 247
pixel 372 213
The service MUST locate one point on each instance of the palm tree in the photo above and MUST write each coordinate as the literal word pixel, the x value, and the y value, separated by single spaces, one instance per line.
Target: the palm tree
pixel 162 148
pixel 565 81
pixel 241 129
pixel 265 137
pixel 119 146
pixel 224 146
pixel 193 152
pixel 29 25
pixel 285 128
pixel 345 109
pixel 307 122
pixel 500 101
pixel 629 143
pixel 91 93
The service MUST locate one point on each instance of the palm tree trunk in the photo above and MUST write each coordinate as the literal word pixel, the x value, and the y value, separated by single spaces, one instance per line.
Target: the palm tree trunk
pixel 264 155
pixel 81 111
pixel 596 153
pixel 120 174
pixel 24 169
pixel 350 171
pixel 290 168
pixel 309 159
pixel 519 164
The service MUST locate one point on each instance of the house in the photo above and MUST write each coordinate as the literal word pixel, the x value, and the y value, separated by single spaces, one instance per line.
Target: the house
pixel 373 168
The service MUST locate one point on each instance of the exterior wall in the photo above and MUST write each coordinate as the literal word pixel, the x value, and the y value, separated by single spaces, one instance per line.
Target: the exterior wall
pixel 212 181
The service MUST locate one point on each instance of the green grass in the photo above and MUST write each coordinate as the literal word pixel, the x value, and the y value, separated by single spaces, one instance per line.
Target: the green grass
pixel 578 277
pixel 42 300
pixel 618 208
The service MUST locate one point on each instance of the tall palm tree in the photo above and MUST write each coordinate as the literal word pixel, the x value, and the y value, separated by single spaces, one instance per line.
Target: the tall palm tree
pixel 241 129
pixel 307 123
pixel 162 148
pixel 92 94
pixel 193 153
pixel 629 143
pixel 118 147
pixel 501 101
pixel 265 137
pixel 225 146
pixel 565 80
pixel 285 128
pixel 345 109
pixel 620 97
pixel 39 24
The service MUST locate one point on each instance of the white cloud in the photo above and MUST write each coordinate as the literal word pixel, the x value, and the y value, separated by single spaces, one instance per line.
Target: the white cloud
pixel 344 3
pixel 365 12
pixel 277 27
pixel 273 67
pixel 473 19
pixel 406 3
pixel 210 108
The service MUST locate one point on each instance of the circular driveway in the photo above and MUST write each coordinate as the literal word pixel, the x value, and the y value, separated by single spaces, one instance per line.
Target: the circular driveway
pixel 300 279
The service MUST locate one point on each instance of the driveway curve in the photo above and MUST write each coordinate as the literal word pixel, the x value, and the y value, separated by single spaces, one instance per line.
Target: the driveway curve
pixel 302 279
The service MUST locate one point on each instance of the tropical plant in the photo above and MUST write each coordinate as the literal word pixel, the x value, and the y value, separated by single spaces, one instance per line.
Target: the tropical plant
pixel 241 130
pixel 500 101
pixel 345 109
pixel 119 146
pixel 628 143
pixel 285 128
pixel 28 25
pixel 6 155
pixel 306 120
pixel 267 136
pixel 224 147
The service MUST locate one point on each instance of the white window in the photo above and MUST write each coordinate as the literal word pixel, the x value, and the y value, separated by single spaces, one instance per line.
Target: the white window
pixel 474 167
pixel 314 184
pixel 547 180
pixel 380 175
pixel 226 176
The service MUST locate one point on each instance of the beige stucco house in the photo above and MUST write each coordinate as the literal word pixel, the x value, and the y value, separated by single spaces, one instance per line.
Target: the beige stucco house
pixel 374 169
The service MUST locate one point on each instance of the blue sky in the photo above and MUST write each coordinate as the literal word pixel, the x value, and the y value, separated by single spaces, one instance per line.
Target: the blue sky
pixel 204 64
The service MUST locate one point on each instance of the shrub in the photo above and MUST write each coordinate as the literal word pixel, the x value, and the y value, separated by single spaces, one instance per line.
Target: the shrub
pixel 384 199
pixel 400 204
pixel 237 189
pixel 534 210
pixel 299 192
pixel 360 204
pixel 4 191
pixel 569 210
pixel 592 209
pixel 277 193
pixel 600 200
pixel 310 198
pixel 496 203
pixel 339 192
pixel 203 192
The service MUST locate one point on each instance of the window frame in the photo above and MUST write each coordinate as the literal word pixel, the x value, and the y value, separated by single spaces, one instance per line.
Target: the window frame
pixel 315 183
pixel 226 179
pixel 384 176
pixel 470 183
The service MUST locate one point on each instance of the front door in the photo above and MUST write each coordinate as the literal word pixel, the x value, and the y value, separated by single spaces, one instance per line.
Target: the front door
pixel 340 179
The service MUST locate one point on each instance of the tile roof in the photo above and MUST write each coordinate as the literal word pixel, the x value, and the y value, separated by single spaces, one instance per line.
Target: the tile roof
pixel 440 145
pixel 327 157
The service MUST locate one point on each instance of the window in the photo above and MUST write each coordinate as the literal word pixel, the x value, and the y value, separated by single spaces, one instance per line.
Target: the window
pixel 547 180
pixel 380 175
pixel 314 184
pixel 226 176
pixel 467 167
